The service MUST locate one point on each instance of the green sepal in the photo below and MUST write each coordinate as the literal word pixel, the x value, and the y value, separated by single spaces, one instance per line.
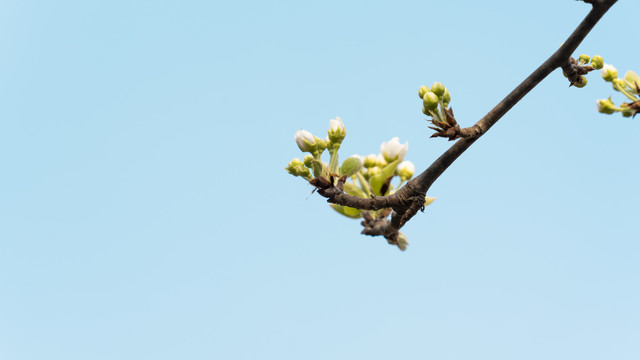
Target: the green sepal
pixel 377 180
pixel 347 211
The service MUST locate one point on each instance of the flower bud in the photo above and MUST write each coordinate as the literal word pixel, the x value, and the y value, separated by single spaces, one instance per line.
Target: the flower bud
pixel 308 161
pixel 306 141
pixel 370 160
pixel 430 101
pixel 403 241
pixel 405 170
pixel 351 165
pixel 373 171
pixel 422 91
pixel 609 73
pixel 337 131
pixel 597 62
pixel 321 144
pixel 605 106
pixel 393 150
pixel 438 88
pixel 446 98
pixel 582 82
pixel 297 168
pixel 583 59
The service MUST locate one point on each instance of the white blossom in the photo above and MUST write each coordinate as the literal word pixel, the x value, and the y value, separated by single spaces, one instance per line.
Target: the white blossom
pixel 393 150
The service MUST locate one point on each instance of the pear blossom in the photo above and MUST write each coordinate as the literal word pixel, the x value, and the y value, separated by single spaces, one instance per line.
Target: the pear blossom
pixel 392 150
pixel 305 140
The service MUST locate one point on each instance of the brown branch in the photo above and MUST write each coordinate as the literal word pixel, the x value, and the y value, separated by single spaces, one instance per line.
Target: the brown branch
pixel 410 198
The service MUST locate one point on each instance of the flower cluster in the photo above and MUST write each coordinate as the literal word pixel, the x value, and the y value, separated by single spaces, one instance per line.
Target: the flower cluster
pixel 629 86
pixel 576 69
pixel 361 176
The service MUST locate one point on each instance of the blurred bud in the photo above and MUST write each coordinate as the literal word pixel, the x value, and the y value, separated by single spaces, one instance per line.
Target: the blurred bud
pixel 438 89
pixel 597 62
pixel 351 165
pixel 374 171
pixel 337 131
pixel 308 161
pixel 430 101
pixel 609 73
pixel 429 200
pixel 393 150
pixel 422 91
pixel 370 160
pixel 403 241
pixel 405 170
pixel 446 98
pixel 605 106
pixel 583 59
pixel 306 141
pixel 582 82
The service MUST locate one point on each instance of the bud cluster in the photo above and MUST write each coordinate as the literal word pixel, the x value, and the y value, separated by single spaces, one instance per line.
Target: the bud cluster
pixel 435 104
pixel 361 176
pixel 629 86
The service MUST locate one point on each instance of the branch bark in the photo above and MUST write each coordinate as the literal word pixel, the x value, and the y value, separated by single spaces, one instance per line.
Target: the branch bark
pixel 410 198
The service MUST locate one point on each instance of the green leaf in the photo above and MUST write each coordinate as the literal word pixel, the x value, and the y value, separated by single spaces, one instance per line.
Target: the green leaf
pixel 376 181
pixel 347 211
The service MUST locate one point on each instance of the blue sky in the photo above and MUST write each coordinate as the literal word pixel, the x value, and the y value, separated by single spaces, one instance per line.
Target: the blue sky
pixel 145 212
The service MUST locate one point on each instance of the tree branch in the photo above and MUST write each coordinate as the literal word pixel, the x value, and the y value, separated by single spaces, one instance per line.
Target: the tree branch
pixel 410 198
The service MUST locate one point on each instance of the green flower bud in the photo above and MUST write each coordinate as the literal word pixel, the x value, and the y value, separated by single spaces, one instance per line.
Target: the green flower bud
pixel 423 89
pixel 605 106
pixel 373 171
pixel 370 160
pixel 583 59
pixel 582 82
pixel 321 145
pixel 296 168
pixel 308 161
pixel 446 98
pixel 351 165
pixel 609 73
pixel 438 89
pixel 597 62
pixel 430 101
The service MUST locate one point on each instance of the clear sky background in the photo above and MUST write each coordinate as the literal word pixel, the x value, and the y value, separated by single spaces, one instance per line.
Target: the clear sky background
pixel 145 212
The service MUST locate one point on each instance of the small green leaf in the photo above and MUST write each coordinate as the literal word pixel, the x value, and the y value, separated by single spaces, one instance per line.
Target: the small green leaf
pixel 377 180
pixel 347 211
